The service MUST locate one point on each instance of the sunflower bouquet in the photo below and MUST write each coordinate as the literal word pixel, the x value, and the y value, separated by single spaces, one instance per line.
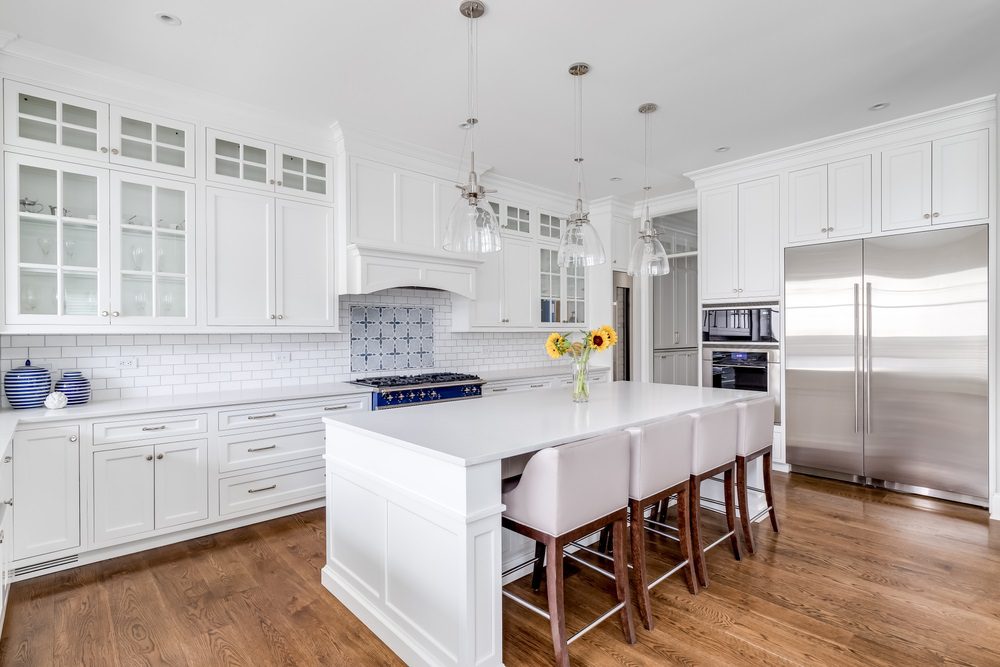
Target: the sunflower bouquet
pixel 559 345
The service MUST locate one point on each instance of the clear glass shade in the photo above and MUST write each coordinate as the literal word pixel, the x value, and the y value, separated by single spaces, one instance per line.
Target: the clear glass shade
pixel 648 257
pixel 580 245
pixel 472 228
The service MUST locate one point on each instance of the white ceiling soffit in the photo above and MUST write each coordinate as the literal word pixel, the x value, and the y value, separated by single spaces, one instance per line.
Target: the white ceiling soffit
pixel 755 76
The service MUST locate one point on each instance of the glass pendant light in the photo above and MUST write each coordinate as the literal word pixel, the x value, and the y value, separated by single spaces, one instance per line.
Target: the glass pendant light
pixel 648 256
pixel 580 244
pixel 472 227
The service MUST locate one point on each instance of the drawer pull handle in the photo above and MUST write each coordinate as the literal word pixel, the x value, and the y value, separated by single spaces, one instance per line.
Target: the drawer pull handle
pixel 261 449
pixel 266 488
pixel 9 501
pixel 537 386
pixel 154 428
pixel 335 407
pixel 267 416
pixel 500 389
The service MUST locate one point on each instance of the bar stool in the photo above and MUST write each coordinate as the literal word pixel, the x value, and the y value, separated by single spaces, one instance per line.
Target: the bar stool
pixel 756 434
pixel 564 494
pixel 660 467
pixel 715 434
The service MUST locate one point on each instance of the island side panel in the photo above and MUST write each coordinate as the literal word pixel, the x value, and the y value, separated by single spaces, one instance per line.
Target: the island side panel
pixel 414 548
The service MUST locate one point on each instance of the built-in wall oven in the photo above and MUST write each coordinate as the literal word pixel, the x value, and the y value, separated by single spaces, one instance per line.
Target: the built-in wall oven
pixel 749 369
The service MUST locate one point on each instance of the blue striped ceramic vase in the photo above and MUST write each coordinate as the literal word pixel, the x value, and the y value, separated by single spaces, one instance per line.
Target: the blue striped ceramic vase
pixel 75 386
pixel 27 386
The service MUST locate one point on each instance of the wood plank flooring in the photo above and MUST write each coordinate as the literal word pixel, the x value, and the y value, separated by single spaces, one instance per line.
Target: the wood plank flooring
pixel 857 577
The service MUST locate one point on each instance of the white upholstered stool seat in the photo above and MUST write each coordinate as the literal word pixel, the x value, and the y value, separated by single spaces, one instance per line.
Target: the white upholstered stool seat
pixel 755 435
pixel 565 493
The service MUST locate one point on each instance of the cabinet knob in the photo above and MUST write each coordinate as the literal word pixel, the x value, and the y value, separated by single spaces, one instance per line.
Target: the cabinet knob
pixel 735 289
pixel 8 459
pixel 104 149
pixel 272 316
pixel 9 501
pixel 927 216
pixel 936 214
pixel 829 229
pixel 281 317
pixel 114 151
pixel 72 438
pixel 159 456
pixel 270 181
pixel 104 313
pixel 824 230
pixel 115 313
pixel 149 457
pixel 279 182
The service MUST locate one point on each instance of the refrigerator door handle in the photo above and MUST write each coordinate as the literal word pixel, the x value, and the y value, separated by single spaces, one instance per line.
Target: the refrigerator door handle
pixel 868 357
pixel 857 353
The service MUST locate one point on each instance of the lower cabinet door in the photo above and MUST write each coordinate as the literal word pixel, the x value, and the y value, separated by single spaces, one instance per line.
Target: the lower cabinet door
pixel 181 491
pixel 123 493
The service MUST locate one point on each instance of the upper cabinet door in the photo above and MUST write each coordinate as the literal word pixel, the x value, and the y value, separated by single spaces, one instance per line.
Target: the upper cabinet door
pixel 759 239
pixel 807 204
pixel 906 187
pixel 50 121
pixel 850 198
pixel 960 183
pixel 303 174
pixel 57 242
pixel 398 209
pixel 486 310
pixel 518 291
pixel 239 161
pixel 240 249
pixel 550 227
pixel 151 142
pixel 623 237
pixel 550 287
pixel 152 250
pixel 304 274
pixel 515 219
pixel 719 213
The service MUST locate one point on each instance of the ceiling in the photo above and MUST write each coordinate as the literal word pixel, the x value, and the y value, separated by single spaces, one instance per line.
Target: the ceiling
pixel 755 76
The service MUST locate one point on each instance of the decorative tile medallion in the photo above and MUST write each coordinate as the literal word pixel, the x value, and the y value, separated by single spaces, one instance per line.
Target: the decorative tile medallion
pixel 390 338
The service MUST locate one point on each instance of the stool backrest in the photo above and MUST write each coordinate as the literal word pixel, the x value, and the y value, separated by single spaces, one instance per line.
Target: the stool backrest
pixel 573 484
pixel 660 455
pixel 715 433
pixel 756 425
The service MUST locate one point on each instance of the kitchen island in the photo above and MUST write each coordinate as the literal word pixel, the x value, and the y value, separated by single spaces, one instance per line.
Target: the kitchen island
pixel 413 506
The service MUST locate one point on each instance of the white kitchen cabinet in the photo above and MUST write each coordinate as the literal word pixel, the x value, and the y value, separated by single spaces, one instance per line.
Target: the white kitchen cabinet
pixel 550 226
pixel 303 174
pixel 936 182
pixel 759 241
pixel 623 237
pixel 270 261
pixel 504 297
pixel 562 290
pixel 57 228
pixel 675 305
pixel 52 121
pixel 718 243
pixel 830 201
pixel 152 251
pixel 676 367
pixel 239 160
pixel 46 491
pixel 180 487
pixel 146 141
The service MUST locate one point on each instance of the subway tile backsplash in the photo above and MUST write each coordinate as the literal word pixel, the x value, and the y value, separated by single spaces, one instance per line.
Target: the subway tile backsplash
pixel 188 363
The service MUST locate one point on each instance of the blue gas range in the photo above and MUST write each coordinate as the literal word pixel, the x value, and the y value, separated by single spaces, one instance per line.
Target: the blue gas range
pixel 396 391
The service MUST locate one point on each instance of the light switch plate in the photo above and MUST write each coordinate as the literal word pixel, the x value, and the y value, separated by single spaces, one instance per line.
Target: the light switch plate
pixel 128 362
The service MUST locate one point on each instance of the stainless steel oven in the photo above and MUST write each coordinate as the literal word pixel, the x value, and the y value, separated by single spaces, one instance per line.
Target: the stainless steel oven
pixel 759 324
pixel 750 369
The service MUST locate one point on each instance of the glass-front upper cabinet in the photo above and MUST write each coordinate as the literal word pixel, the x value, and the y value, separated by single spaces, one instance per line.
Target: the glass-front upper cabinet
pixel 549 226
pixel 150 142
pixel 562 291
pixel 57 226
pixel 46 120
pixel 303 174
pixel 237 160
pixel 152 250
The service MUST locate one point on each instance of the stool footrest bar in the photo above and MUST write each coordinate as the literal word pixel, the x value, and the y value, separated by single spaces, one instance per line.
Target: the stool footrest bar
pixel 720 540
pixel 761 513
pixel 662 534
pixel 677 568
pixel 527 605
pixel 593 625
pixel 593 567
pixel 518 567
pixel 582 547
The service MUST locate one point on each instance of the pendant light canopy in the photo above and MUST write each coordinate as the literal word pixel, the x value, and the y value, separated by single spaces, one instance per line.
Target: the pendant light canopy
pixel 648 256
pixel 472 227
pixel 580 244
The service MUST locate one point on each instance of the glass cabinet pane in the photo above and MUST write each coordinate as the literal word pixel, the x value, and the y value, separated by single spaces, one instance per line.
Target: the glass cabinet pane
pixel 39 292
pixel 137 296
pixel 29 105
pixel 80 293
pixel 39 190
pixel 137 250
pixel 137 150
pixel 171 301
pixel 137 128
pixel 80 195
pixel 80 245
pixel 79 116
pixel 38 241
pixel 45 117
pixel 170 253
pixel 170 209
pixel 137 204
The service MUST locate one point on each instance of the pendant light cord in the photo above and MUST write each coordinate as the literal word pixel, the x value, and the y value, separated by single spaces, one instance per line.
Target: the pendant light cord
pixel 578 138
pixel 646 223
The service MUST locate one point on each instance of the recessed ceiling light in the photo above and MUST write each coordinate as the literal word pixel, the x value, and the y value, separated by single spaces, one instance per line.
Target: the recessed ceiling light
pixel 722 149
pixel 167 19
pixel 615 179
pixel 878 107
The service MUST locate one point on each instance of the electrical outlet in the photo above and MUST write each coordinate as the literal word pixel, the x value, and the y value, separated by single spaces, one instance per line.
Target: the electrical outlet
pixel 128 362
pixel 283 357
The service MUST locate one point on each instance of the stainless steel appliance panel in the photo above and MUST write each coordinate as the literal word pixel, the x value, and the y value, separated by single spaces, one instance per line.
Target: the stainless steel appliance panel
pixel 928 414
pixel 622 352
pixel 748 369
pixel 823 365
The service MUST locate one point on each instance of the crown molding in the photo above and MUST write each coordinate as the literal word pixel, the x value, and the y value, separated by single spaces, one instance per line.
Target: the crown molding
pixel 613 207
pixel 667 204
pixel 6 38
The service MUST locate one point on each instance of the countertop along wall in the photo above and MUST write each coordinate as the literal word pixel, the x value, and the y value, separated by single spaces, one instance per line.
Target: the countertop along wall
pixel 172 364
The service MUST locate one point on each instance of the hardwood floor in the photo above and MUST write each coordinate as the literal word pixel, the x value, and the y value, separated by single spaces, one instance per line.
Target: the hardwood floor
pixel 857 577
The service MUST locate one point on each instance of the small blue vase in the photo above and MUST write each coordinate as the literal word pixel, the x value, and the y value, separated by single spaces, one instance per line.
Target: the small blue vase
pixel 27 386
pixel 75 386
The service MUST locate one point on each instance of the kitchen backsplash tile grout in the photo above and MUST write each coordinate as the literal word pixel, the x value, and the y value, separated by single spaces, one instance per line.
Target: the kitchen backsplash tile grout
pixel 171 363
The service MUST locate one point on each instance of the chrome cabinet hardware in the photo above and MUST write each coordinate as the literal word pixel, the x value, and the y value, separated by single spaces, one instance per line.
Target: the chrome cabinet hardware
pixel 115 313
pixel 104 149
pixel 279 182
pixel 159 456
pixel 857 344
pixel 9 501
pixel 149 457
pixel 114 151
pixel 271 316
pixel 868 357
pixel 336 407
pixel 267 416
pixel 73 438
pixel 281 317
pixel 499 389
pixel 936 214
pixel 104 313
pixel 829 229
pixel 537 386
pixel 270 181
pixel 1 537
pixel 154 428
pixel 261 449
pixel 926 216
pixel 266 488
pixel 8 459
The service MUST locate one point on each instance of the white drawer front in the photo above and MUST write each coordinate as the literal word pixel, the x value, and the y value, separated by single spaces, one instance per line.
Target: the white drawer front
pixel 266 414
pixel 511 387
pixel 248 450
pixel 147 429
pixel 250 492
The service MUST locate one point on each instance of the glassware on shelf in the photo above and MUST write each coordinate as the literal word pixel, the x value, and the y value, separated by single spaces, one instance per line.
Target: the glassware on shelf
pixel 69 248
pixel 168 302
pixel 140 302
pixel 30 300
pixel 137 253
pixel 45 245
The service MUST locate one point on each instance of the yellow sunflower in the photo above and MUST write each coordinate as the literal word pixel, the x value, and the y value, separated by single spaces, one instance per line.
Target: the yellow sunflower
pixel 611 334
pixel 598 339
pixel 555 346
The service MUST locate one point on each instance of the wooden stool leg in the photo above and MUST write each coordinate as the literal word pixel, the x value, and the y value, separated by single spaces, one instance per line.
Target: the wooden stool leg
pixel 604 543
pixel 697 546
pixel 621 580
pixel 557 616
pixel 734 538
pixel 539 569
pixel 638 541
pixel 684 535
pixel 741 492
pixel 768 495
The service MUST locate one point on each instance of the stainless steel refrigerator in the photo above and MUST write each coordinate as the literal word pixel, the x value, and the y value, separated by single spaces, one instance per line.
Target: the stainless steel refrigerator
pixel 886 361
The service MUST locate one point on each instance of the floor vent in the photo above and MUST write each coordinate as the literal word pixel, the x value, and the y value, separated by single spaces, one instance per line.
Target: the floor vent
pixel 47 565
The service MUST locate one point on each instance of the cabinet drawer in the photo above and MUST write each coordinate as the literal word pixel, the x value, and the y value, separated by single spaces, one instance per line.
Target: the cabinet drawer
pixel 147 429
pixel 249 492
pixel 278 413
pixel 511 387
pixel 249 450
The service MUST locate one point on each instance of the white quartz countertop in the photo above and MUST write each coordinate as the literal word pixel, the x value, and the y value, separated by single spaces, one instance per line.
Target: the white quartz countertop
pixel 473 432
pixel 555 370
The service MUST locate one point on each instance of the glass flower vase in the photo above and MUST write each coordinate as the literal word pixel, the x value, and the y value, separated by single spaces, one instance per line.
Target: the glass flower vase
pixel 581 389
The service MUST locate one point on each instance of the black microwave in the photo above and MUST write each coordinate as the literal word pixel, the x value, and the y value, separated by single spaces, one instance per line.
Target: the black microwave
pixel 741 325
